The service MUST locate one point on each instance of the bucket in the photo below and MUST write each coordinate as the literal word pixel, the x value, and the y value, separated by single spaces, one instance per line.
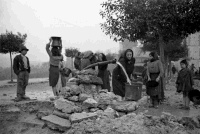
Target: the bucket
pixel 56 41
pixel 133 92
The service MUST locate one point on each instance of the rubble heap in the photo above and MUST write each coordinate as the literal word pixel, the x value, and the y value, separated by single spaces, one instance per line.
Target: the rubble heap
pixel 85 99
pixel 83 107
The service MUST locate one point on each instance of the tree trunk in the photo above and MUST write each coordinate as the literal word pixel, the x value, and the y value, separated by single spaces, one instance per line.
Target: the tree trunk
pixel 170 69
pixel 162 58
pixel 72 63
pixel 167 69
pixel 11 76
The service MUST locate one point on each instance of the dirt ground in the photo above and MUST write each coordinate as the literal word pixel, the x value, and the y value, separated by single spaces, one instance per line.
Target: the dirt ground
pixel 20 118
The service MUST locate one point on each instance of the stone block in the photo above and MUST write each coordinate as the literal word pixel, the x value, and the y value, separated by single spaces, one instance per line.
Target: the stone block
pixel 90 103
pixel 78 117
pixel 56 123
pixel 83 97
pixel 66 106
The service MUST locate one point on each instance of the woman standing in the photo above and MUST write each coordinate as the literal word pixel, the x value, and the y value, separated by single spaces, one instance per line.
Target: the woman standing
pixel 154 73
pixel 54 71
pixel 103 72
pixel 119 78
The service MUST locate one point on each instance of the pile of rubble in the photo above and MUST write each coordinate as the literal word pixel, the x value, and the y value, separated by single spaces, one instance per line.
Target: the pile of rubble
pixel 138 124
pixel 83 107
pixel 84 99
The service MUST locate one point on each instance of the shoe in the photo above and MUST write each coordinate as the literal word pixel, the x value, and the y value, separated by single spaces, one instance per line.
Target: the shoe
pixel 17 99
pixel 25 97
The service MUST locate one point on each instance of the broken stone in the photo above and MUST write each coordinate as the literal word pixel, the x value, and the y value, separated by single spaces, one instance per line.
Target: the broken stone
pixel 87 72
pixel 110 113
pixel 73 98
pixel 125 106
pixel 60 114
pixel 77 117
pixel 75 90
pixel 143 100
pixel 94 109
pixel 89 79
pixel 88 89
pixel 66 106
pixel 13 110
pixel 83 97
pixel 90 103
pixel 56 123
pixel 119 114
pixel 41 114
pixel 102 106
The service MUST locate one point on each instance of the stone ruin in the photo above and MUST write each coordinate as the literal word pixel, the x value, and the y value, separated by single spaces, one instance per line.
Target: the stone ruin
pixel 83 107
pixel 83 98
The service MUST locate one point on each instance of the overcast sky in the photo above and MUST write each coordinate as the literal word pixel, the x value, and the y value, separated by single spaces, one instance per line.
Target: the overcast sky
pixel 76 21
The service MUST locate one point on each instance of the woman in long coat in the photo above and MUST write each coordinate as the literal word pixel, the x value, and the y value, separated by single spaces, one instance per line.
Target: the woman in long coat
pixel 103 72
pixel 154 73
pixel 119 78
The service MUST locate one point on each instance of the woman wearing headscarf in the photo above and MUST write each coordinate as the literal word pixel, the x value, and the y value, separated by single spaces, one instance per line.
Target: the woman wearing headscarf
pixel 154 73
pixel 86 60
pixel 119 78
pixel 103 72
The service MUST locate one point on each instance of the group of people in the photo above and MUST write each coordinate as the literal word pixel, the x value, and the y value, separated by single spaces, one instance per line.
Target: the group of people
pixel 83 60
pixel 152 75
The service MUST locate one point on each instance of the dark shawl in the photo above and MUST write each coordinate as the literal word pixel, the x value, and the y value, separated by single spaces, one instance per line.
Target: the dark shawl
pixel 118 77
pixel 184 80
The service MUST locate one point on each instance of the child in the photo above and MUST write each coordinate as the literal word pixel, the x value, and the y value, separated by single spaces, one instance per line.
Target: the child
pixel 184 83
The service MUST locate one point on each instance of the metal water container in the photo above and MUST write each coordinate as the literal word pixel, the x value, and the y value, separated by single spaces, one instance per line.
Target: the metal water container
pixel 133 92
pixel 56 41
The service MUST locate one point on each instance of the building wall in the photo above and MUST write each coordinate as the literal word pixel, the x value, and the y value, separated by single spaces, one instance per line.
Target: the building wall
pixel 193 42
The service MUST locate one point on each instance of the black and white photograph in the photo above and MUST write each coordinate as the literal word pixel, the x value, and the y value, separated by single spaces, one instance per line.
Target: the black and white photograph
pixel 100 67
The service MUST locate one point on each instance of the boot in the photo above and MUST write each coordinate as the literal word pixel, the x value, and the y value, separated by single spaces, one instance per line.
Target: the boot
pixel 25 97
pixel 17 99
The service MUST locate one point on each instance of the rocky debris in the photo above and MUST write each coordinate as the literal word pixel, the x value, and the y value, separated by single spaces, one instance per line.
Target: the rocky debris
pixel 190 122
pixel 75 90
pixel 56 123
pixel 94 109
pixel 107 98
pixel 78 117
pixel 89 89
pixel 66 106
pixel 60 114
pixel 73 98
pixel 143 100
pixel 109 113
pixel 41 114
pixel 90 103
pixel 125 106
pixel 83 97
pixel 89 79
pixel 87 72
pixel 131 123
pixel 13 110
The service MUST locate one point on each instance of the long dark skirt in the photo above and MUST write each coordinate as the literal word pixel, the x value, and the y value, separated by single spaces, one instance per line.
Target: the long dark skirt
pixel 104 75
pixel 54 76
pixel 118 86
pixel 155 91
